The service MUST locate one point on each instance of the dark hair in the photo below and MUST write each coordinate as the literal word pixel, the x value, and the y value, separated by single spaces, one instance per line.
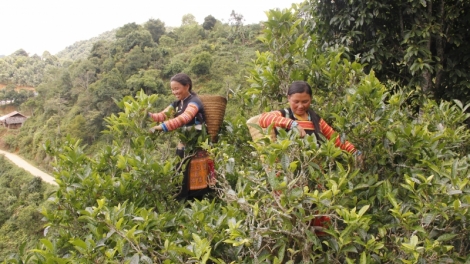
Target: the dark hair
pixel 183 79
pixel 299 87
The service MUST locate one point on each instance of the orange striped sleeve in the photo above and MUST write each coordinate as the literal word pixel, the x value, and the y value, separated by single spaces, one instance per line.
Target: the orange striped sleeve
pixel 276 118
pixel 161 116
pixel 328 131
pixel 189 113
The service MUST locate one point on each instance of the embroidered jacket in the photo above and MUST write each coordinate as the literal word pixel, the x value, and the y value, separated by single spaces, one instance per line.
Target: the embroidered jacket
pixel 276 118
pixel 187 112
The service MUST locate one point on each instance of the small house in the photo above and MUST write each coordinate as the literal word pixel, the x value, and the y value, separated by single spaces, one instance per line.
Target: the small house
pixel 13 120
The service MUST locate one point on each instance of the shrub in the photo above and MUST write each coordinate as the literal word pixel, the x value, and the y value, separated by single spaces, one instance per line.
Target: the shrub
pixel 201 63
pixel 173 68
pixel 268 194
pixel 10 141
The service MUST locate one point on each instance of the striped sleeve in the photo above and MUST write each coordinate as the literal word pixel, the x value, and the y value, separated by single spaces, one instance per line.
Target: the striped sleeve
pixel 276 118
pixel 191 111
pixel 328 131
pixel 161 116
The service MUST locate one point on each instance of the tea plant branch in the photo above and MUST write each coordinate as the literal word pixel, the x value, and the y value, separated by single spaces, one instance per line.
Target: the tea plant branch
pixel 113 228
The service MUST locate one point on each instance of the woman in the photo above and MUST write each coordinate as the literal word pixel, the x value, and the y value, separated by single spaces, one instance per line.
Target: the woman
pixel 187 112
pixel 299 115
pixel 188 109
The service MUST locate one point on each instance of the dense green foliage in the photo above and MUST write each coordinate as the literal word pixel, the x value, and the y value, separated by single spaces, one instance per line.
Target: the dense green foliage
pixel 117 206
pixel 20 69
pixel 21 196
pixel 10 96
pixel 406 203
pixel 418 43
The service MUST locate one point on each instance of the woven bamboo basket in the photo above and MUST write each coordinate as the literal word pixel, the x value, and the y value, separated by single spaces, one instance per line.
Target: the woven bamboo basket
pixel 256 131
pixel 253 126
pixel 214 107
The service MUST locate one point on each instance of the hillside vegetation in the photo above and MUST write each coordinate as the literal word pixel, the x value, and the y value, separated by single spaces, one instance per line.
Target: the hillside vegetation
pixel 21 196
pixel 81 49
pixel 407 202
pixel 75 97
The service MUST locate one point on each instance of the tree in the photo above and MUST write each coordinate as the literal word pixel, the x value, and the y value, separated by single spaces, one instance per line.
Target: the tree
pixel 188 19
pixel 135 60
pixel 236 19
pixel 125 30
pixel 100 50
pixel 9 93
pixel 292 54
pixel 174 67
pixel 238 31
pixel 30 106
pixel 156 29
pixel 189 34
pixel 141 38
pixel 167 41
pixel 21 97
pixel 83 73
pixel 20 52
pixel 416 42
pixel 209 22
pixel 201 63
pixel 148 81
pixel 109 88
pixel 77 128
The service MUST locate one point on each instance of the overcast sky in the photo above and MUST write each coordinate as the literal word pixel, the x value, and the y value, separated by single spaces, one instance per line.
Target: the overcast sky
pixel 52 25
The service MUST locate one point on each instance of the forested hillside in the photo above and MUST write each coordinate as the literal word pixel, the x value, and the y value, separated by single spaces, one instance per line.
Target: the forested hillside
pixel 406 202
pixel 81 49
pixel 74 97
pixel 20 69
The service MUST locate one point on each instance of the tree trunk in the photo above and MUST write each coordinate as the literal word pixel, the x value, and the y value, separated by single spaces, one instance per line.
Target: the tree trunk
pixel 402 30
pixel 427 77
pixel 440 46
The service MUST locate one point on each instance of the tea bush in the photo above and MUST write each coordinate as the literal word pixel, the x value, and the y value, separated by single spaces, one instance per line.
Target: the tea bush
pixel 407 203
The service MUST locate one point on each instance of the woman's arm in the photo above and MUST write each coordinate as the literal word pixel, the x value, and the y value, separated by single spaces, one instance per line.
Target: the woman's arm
pixel 189 114
pixel 161 116
pixel 328 131
pixel 276 118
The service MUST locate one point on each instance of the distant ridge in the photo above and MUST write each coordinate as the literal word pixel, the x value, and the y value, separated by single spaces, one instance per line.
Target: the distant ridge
pixel 81 49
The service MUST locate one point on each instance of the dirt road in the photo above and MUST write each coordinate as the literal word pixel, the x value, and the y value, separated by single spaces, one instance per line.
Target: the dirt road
pixel 28 167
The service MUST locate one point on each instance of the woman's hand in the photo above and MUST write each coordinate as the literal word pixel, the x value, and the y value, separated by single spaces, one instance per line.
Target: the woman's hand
pixel 156 128
pixel 301 130
pixel 298 129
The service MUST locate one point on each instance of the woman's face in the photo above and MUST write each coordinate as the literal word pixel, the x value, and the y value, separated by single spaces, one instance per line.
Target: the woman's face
pixel 179 91
pixel 299 103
